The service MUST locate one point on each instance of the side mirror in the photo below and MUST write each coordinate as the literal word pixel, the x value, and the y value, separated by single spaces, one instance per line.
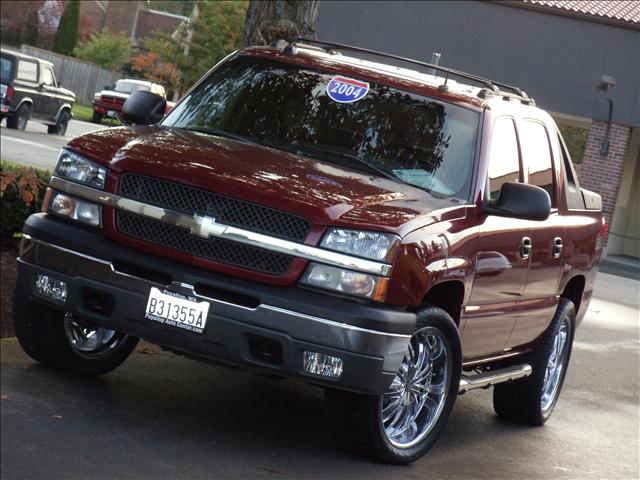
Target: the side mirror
pixel 143 108
pixel 520 200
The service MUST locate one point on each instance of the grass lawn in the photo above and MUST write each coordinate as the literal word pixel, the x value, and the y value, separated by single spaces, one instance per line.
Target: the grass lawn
pixel 85 112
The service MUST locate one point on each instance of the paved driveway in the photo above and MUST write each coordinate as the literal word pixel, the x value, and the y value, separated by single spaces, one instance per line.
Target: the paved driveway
pixel 162 416
pixel 35 147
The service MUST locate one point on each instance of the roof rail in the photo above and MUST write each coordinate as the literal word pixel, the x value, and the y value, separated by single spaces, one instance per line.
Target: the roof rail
pixel 493 87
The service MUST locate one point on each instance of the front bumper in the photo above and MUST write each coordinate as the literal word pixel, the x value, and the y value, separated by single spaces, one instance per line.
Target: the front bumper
pixel 371 340
pixel 103 109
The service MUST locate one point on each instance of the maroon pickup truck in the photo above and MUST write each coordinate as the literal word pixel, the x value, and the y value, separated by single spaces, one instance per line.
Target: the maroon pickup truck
pixel 395 236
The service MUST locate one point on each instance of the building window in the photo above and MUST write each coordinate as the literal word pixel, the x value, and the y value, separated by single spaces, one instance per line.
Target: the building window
pixel 575 134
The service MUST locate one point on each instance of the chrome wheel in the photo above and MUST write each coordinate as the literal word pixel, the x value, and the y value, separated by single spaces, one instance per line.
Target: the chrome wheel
pixel 90 340
pixel 555 367
pixel 413 403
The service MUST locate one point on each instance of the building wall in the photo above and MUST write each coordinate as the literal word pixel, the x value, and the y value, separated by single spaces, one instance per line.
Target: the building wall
pixel 556 59
pixel 93 15
pixel 122 16
pixel 603 174
pixel 624 235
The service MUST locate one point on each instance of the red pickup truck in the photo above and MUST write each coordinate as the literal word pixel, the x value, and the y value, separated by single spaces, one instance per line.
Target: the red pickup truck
pixel 393 235
pixel 109 101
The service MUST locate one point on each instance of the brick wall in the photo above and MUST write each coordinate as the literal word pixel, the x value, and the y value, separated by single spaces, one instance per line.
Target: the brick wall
pixel 603 174
pixel 92 17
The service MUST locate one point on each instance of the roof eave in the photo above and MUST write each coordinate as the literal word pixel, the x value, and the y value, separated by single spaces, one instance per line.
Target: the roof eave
pixel 567 13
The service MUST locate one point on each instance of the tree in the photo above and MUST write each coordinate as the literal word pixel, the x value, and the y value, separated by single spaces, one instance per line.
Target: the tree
pixel 66 37
pixel 16 26
pixel 213 31
pixel 151 67
pixel 31 34
pixel 107 49
pixel 269 20
pixel 49 16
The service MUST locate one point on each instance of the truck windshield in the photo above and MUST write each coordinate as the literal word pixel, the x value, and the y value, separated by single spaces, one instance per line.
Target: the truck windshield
pixel 129 87
pixel 365 126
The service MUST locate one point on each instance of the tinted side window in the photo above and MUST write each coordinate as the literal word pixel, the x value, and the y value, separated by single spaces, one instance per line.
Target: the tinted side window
pixel 27 71
pixel 537 156
pixel 504 159
pixel 6 64
pixel 572 189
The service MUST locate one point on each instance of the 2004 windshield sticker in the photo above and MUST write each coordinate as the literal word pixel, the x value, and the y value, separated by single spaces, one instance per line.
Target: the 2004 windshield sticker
pixel 346 90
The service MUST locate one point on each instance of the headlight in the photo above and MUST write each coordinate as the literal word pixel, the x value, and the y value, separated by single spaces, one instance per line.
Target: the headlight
pixel 345 281
pixel 74 167
pixel 75 209
pixel 371 245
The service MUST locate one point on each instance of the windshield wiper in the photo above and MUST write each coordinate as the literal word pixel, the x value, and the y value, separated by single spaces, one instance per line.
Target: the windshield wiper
pixel 221 133
pixel 352 157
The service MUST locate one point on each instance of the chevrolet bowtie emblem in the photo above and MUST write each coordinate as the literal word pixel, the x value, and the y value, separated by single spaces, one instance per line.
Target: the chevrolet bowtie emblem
pixel 206 227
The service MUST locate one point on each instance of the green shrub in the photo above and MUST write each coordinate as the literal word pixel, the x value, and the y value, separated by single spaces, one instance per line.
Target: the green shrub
pixel 22 190
pixel 106 49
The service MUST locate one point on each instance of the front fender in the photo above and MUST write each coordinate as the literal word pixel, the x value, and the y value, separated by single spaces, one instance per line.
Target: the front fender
pixel 65 106
pixel 427 257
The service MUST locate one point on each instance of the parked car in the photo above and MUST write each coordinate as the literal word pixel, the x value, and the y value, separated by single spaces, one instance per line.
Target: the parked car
pixel 109 101
pixel 30 91
pixel 396 237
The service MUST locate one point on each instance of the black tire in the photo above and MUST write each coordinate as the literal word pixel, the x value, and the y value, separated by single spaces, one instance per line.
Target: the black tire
pixel 522 401
pixel 96 118
pixel 41 333
pixel 360 416
pixel 20 117
pixel 60 128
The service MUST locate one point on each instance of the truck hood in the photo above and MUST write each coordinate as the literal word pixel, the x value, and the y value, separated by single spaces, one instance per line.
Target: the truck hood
pixel 66 92
pixel 326 193
pixel 113 93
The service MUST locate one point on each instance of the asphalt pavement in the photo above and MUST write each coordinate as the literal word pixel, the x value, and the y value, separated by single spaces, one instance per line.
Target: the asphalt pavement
pixel 35 147
pixel 164 416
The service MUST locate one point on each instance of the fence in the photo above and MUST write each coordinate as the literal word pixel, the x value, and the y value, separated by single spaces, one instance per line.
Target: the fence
pixel 82 78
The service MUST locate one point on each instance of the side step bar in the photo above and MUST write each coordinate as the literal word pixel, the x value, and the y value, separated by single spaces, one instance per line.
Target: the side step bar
pixel 487 379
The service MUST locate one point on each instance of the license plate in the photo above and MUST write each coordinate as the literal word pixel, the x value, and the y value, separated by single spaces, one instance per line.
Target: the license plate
pixel 176 310
pixel 111 114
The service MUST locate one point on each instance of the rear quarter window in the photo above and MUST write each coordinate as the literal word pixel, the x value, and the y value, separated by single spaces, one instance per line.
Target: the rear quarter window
pixel 27 71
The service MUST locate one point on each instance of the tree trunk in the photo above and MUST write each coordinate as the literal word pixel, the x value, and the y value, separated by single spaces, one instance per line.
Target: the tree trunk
pixel 269 20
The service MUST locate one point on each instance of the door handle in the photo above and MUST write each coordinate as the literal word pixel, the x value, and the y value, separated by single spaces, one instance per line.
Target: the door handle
pixel 525 247
pixel 557 247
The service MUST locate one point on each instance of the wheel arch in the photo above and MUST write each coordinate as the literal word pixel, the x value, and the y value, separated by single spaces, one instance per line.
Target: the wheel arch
pixel 574 289
pixel 23 101
pixel 64 107
pixel 447 295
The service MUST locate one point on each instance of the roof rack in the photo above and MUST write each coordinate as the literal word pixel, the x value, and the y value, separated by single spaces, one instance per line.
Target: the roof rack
pixel 492 87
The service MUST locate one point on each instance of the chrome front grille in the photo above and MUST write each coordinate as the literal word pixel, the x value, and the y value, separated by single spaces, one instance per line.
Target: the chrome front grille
pixel 228 211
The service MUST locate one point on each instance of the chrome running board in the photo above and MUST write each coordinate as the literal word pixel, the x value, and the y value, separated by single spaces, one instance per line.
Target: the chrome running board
pixel 487 379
